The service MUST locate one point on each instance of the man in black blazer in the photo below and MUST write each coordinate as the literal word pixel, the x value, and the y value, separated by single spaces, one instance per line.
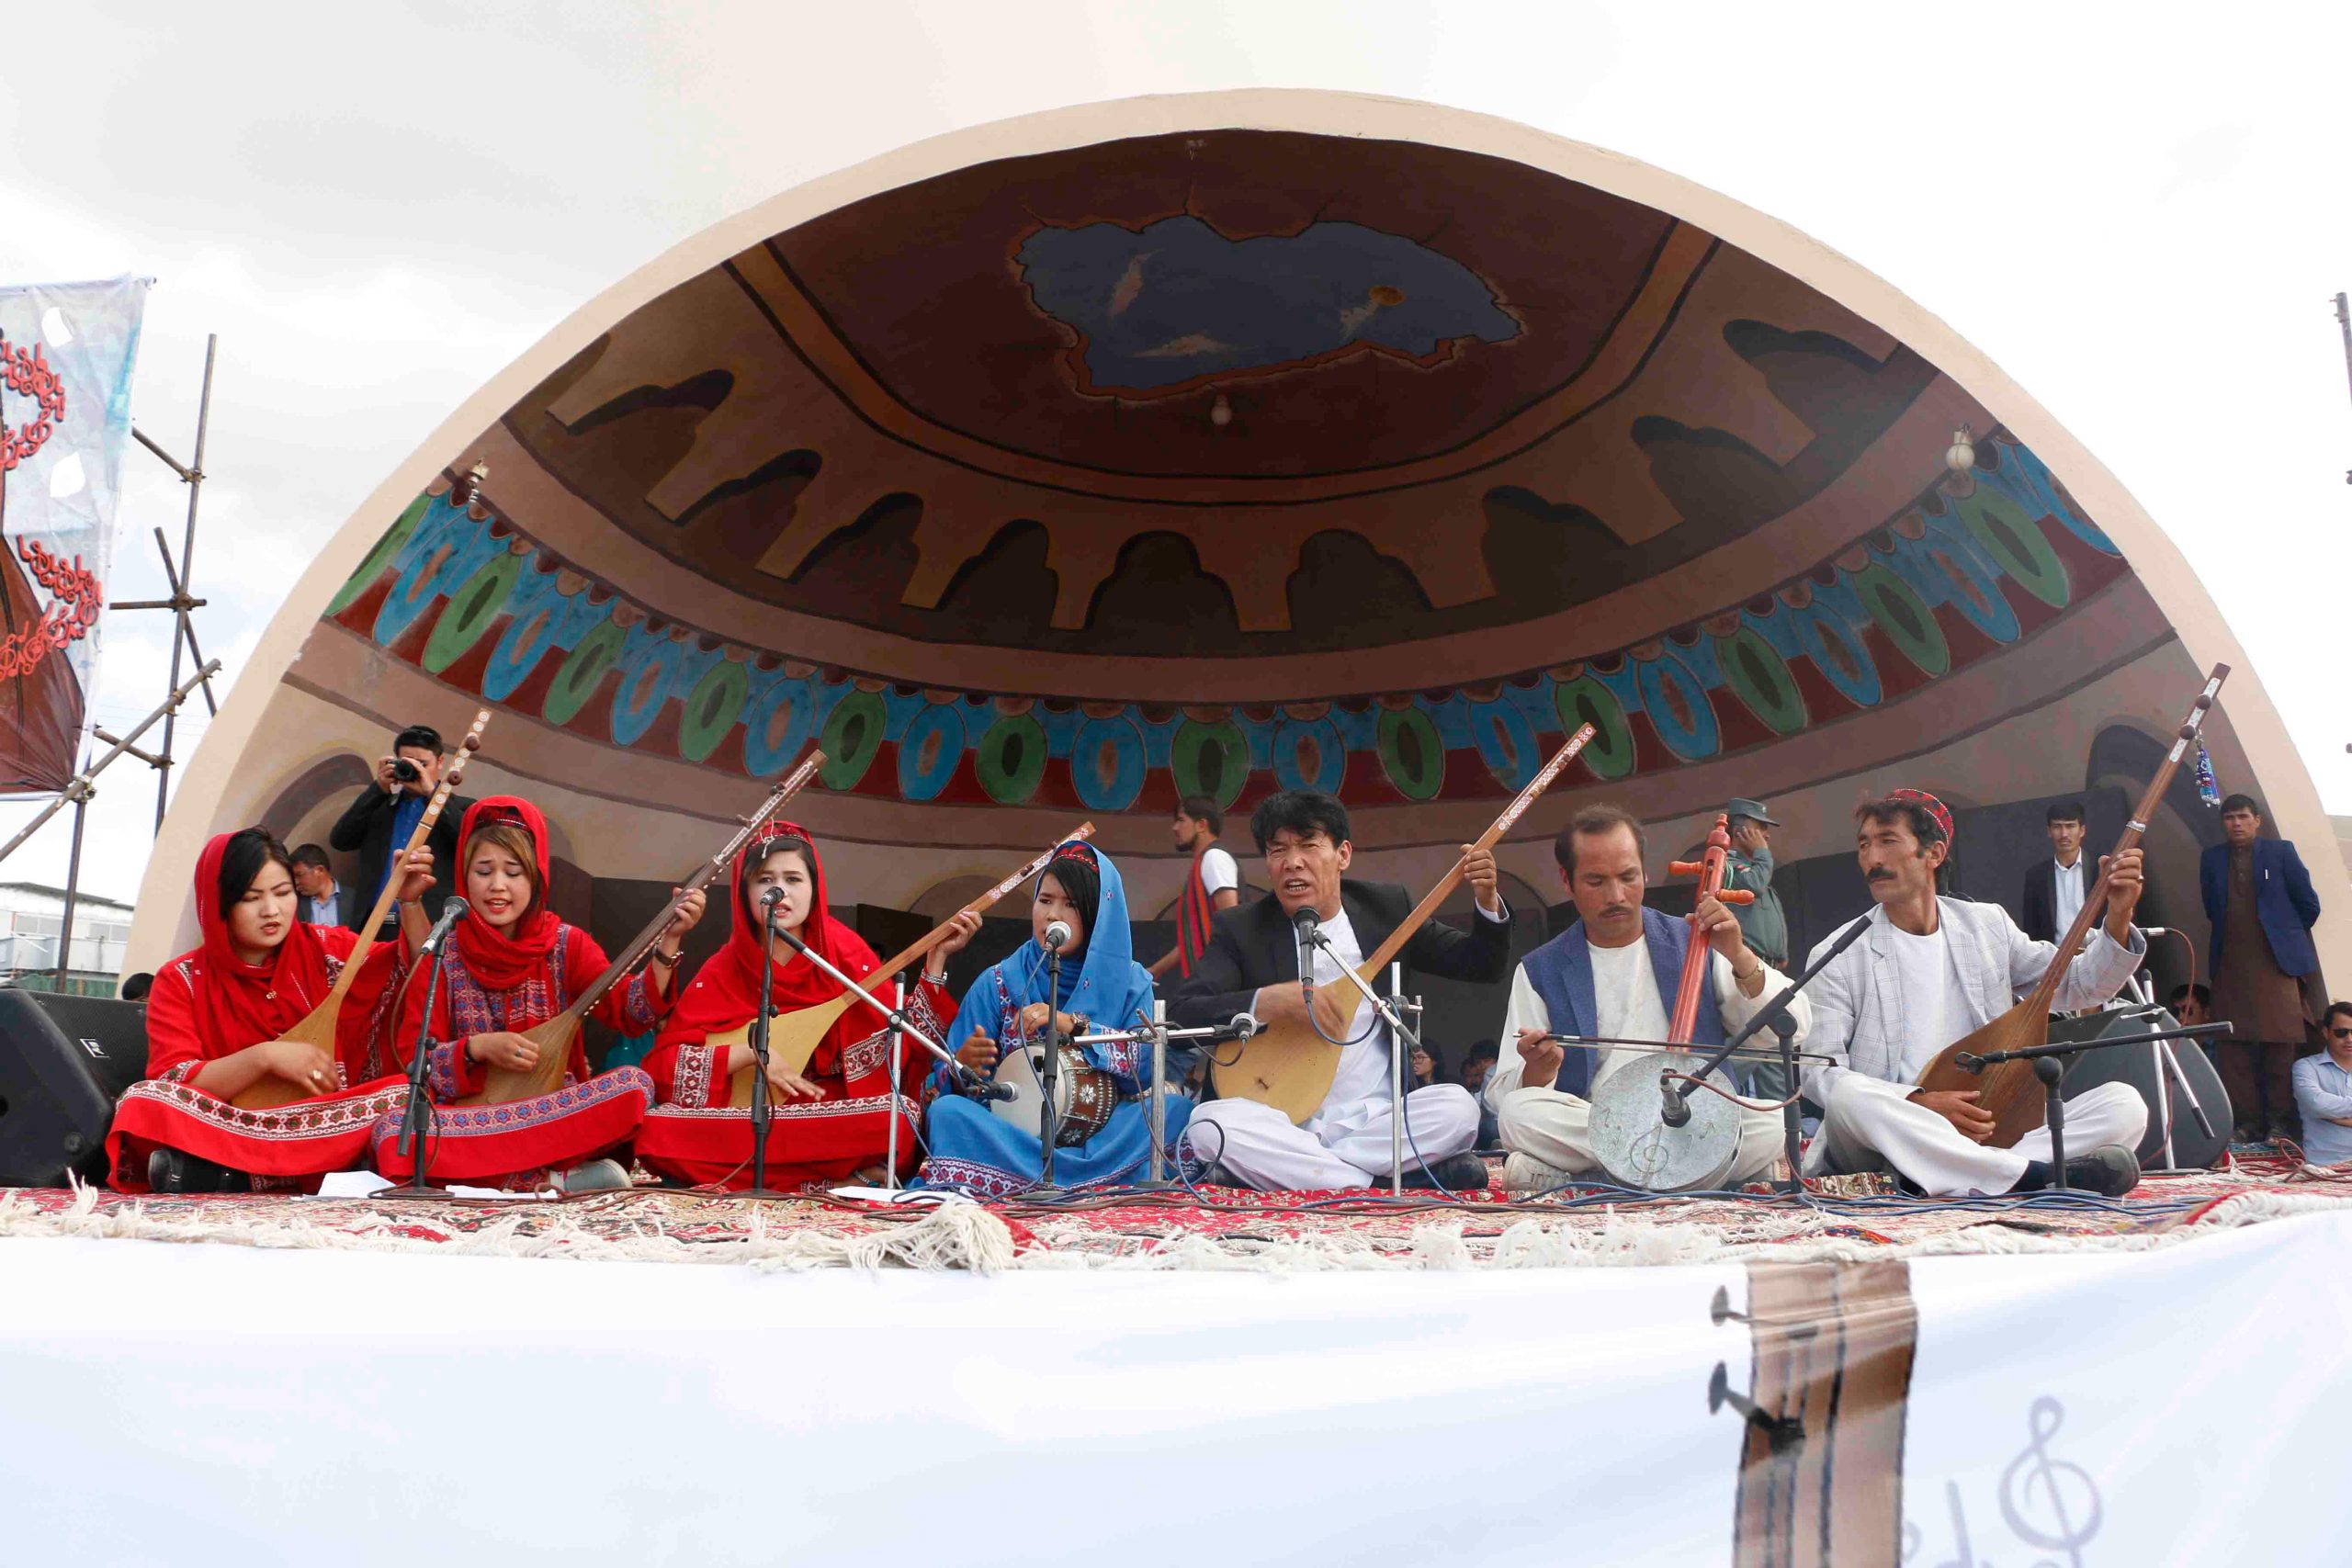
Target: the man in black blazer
pixel 380 820
pixel 1251 966
pixel 2045 904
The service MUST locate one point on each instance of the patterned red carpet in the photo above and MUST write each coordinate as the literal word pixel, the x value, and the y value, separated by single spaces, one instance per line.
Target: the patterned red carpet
pixel 1218 1228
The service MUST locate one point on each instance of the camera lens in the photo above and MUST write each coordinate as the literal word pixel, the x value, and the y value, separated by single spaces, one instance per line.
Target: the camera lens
pixel 405 771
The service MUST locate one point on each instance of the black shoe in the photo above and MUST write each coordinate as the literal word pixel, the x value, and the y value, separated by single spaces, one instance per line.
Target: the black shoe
pixel 174 1171
pixel 2111 1170
pixel 1218 1175
pixel 1464 1172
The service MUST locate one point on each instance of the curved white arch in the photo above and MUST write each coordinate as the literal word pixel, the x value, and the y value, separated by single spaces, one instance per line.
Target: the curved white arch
pixel 210 787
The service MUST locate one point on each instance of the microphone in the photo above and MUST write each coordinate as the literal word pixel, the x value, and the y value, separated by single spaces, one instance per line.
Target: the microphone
pixel 2155 931
pixel 1303 922
pixel 1242 1027
pixel 1057 935
pixel 450 914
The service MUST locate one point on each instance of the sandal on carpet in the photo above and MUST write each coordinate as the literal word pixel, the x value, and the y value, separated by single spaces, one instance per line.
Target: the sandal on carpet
pixel 596 1176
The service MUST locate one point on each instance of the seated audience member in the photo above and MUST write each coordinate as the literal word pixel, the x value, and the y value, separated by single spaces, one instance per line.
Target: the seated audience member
pixel 1614 973
pixel 2191 1004
pixel 1251 966
pixel 2324 1092
pixel 1424 1067
pixel 1476 1065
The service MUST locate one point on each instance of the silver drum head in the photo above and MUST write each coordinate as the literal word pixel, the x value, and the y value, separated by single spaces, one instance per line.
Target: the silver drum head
pixel 1635 1147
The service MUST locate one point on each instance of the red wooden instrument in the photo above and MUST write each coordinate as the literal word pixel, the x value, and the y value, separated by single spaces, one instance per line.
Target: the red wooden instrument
pixel 1709 869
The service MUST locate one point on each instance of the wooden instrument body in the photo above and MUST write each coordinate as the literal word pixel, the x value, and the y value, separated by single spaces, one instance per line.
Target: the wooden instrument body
pixel 1290 1065
pixel 1084 1095
pixel 2011 1092
pixel 318 1027
pixel 793 1037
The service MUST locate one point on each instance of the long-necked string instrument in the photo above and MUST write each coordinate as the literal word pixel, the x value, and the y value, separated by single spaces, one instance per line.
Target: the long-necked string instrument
pixel 1709 869
pixel 554 1036
pixel 1290 1065
pixel 318 1026
pixel 793 1037
pixel 2010 1090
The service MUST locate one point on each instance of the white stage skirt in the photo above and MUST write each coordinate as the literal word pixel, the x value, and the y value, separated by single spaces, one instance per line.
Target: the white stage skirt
pixel 165 1403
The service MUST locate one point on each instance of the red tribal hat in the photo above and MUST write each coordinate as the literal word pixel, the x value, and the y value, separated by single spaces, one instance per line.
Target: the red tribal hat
pixel 1932 806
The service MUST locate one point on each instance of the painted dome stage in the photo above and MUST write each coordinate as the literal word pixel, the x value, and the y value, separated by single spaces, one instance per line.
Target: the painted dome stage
pixel 1065 481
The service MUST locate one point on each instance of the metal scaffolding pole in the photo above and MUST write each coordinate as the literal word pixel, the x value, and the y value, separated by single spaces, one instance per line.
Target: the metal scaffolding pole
pixel 179 574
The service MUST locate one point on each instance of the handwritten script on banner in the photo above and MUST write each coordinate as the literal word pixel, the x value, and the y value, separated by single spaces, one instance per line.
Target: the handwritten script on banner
pixel 67 351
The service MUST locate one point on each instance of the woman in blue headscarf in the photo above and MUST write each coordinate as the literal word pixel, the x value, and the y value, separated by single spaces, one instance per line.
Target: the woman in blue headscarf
pixel 973 1149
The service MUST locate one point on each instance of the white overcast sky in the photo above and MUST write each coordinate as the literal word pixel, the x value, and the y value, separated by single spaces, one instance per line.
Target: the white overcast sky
pixel 2140 212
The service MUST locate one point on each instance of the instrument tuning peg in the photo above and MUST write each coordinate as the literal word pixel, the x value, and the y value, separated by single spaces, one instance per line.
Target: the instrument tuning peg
pixel 1783 1432
pixel 470 743
pixel 1720 1311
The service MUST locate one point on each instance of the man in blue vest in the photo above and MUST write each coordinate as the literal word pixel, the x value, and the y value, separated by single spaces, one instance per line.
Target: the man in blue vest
pixel 1614 973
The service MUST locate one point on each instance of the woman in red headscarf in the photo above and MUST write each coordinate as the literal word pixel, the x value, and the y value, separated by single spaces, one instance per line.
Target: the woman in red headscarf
pixel 512 965
pixel 215 1022
pixel 830 1118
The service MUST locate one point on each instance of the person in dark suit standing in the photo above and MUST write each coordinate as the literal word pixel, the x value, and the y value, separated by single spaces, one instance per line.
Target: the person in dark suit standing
pixel 2260 900
pixel 379 820
pixel 2055 888
pixel 1251 966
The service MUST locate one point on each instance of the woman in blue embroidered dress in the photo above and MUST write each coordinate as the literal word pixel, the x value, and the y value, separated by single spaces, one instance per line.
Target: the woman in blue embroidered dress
pixel 975 1150
pixel 512 966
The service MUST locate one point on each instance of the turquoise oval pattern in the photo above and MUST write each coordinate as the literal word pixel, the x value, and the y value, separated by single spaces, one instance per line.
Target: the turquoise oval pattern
pixel 443 583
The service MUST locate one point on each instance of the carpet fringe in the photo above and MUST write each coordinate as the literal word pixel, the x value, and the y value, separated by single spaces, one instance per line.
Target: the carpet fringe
pixel 965 1235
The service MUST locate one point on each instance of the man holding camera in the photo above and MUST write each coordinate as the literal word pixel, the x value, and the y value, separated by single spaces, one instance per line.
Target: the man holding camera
pixel 378 824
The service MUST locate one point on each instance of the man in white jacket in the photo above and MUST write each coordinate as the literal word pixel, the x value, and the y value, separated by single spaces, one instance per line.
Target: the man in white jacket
pixel 1928 971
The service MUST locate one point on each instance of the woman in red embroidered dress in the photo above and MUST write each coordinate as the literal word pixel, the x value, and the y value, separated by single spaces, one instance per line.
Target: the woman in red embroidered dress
pixel 830 1121
pixel 214 1022
pixel 512 965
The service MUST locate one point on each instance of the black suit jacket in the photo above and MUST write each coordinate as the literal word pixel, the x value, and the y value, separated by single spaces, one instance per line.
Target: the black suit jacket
pixel 367 826
pixel 2041 921
pixel 1253 944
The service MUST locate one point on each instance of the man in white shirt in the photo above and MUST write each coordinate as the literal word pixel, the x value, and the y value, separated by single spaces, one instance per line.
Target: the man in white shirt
pixel 1614 974
pixel 1930 971
pixel 1251 965
pixel 2055 888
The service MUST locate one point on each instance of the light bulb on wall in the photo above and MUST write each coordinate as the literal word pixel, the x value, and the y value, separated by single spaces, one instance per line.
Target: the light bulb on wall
pixel 1221 412
pixel 1960 465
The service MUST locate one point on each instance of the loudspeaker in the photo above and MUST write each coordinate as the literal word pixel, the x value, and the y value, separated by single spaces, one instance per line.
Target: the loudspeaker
pixel 2137 1065
pixel 63 1062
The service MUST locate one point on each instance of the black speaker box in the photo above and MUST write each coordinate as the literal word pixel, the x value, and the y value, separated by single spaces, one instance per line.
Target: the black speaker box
pixel 63 1062
pixel 2192 1147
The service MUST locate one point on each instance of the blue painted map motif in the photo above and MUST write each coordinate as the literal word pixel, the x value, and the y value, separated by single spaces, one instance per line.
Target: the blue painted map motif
pixel 1179 300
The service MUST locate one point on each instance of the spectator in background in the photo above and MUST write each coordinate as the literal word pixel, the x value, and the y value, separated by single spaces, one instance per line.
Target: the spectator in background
pixel 1425 1067
pixel 2260 900
pixel 379 822
pixel 1763 925
pixel 2192 1005
pixel 317 900
pixel 1476 1064
pixel 2324 1092
pixel 2055 888
pixel 1213 884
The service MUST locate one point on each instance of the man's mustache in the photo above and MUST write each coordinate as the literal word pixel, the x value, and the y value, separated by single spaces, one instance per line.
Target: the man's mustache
pixel 1878 874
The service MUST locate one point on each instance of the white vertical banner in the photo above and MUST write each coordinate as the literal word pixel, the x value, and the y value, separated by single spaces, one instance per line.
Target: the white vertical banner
pixel 67 351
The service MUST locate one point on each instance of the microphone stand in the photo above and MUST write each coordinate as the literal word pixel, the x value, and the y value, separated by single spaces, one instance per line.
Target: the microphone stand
pixel 1049 1128
pixel 2051 1071
pixel 762 1107
pixel 964 1076
pixel 1773 1015
pixel 1402 1037
pixel 898 995
pixel 417 1140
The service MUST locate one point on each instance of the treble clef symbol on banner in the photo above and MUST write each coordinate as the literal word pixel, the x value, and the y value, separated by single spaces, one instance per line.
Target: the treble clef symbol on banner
pixel 2048 1502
